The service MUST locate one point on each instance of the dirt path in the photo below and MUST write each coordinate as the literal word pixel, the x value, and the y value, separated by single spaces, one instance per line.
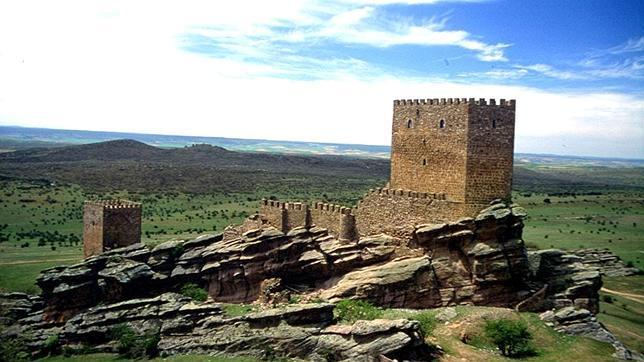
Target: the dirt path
pixel 19 262
pixel 634 297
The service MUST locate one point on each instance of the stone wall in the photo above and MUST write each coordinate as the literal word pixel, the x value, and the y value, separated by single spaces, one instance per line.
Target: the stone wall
pixel 92 229
pixel 285 216
pixel 339 220
pixel 490 151
pixel 110 224
pixel 398 212
pixel 273 213
pixel 424 156
pixel 461 148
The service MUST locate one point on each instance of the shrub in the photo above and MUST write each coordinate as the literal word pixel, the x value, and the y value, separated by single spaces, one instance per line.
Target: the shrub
pixel 349 311
pixel 427 322
pixel 194 291
pixel 13 349
pixel 52 344
pixel 608 299
pixel 135 345
pixel 511 337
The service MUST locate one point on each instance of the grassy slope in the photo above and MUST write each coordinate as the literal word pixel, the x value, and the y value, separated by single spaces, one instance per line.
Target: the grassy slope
pixel 550 345
pixel 625 315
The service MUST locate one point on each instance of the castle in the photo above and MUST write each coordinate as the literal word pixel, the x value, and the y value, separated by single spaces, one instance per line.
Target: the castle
pixel 449 159
pixel 110 224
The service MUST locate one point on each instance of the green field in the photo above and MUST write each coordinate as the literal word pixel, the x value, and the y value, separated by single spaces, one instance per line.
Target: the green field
pixel 623 312
pixel 41 223
pixel 613 220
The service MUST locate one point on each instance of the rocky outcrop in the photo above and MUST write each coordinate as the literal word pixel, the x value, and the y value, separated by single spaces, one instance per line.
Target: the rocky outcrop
pixel 474 261
pixel 604 261
pixel 14 306
pixel 477 261
pixel 570 282
pixel 571 297
pixel 581 322
pixel 184 326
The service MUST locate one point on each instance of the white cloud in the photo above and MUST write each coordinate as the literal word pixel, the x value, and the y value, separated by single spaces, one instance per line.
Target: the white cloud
pixel 550 71
pixel 117 67
pixel 631 45
pixel 342 22
pixel 500 74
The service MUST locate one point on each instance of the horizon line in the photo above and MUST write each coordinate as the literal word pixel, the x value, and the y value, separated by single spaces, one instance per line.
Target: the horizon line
pixel 295 141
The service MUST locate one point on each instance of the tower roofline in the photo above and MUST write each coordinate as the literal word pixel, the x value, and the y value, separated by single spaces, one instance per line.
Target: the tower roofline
pixel 511 103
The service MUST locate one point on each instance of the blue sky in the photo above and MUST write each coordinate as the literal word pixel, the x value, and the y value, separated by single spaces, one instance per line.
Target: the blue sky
pixel 325 70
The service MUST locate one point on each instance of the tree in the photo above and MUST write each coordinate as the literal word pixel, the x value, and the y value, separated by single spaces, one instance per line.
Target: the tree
pixel 510 336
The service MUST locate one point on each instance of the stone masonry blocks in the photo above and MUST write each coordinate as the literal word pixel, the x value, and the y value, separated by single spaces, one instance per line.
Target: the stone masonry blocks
pixel 110 224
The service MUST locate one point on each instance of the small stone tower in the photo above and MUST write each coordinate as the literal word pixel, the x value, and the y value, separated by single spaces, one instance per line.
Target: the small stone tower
pixel 110 224
pixel 458 147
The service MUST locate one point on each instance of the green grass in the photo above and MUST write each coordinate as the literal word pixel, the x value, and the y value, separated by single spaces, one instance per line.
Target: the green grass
pixel 33 212
pixel 238 310
pixel 625 316
pixel 613 220
pixel 549 344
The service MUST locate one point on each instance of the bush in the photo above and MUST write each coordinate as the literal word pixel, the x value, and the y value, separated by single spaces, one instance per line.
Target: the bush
pixel 511 337
pixel 194 291
pixel 13 349
pixel 135 345
pixel 427 322
pixel 52 344
pixel 608 299
pixel 349 311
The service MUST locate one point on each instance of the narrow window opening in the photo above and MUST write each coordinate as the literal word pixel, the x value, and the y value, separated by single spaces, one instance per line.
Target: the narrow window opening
pixel 494 123
pixel 410 123
pixel 424 142
pixel 424 162
pixel 441 124
pixel 417 113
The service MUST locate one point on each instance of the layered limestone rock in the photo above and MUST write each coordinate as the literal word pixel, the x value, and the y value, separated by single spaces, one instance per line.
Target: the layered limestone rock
pixel 478 261
pixel 571 295
pixel 581 322
pixel 607 263
pixel 187 327
pixel 569 281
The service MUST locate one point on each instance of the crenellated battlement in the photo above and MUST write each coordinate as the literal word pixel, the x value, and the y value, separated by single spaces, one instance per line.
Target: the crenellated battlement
pixel 407 193
pixel 450 101
pixel 333 208
pixel 449 158
pixel 285 205
pixel 114 204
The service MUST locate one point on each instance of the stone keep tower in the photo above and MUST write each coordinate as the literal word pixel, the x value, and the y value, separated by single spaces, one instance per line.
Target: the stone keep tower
pixel 110 224
pixel 459 147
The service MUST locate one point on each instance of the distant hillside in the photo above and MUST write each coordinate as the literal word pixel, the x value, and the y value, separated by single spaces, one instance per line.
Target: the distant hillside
pixel 136 166
pixel 11 138
pixel 133 165
pixel 20 138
